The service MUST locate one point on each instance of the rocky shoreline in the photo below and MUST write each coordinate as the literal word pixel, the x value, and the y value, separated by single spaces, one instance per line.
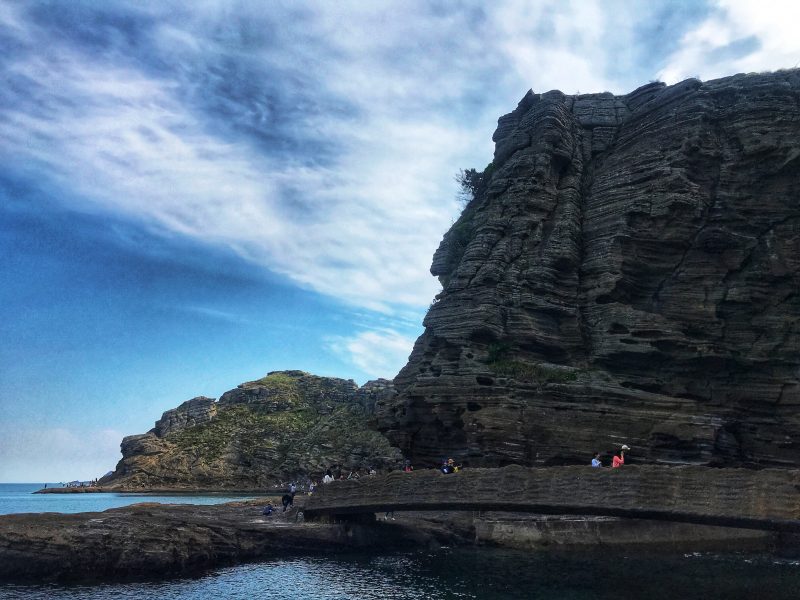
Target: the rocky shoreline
pixel 150 540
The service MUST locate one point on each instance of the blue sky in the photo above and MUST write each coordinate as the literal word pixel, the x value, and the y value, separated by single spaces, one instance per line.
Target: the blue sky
pixel 190 198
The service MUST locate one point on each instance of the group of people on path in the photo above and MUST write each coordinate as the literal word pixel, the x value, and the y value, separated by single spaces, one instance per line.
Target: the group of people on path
pixel 448 466
pixel 617 461
pixel 339 475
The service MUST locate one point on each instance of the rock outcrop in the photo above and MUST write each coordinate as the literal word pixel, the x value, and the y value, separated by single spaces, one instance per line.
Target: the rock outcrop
pixel 149 540
pixel 628 271
pixel 287 425
pixel 192 412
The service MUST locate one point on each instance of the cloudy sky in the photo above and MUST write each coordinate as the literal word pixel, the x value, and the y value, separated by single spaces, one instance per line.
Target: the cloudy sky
pixel 190 198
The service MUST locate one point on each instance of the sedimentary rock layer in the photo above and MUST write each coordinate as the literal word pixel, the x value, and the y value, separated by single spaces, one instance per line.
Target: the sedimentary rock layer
pixel 285 426
pixel 627 272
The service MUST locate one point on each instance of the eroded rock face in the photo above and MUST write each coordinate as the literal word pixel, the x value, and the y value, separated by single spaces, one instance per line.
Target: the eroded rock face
pixel 629 272
pixel 192 412
pixel 287 425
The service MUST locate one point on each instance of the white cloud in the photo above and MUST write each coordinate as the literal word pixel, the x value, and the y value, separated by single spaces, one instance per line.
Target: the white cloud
pixel 377 352
pixel 767 33
pixel 574 58
pixel 419 91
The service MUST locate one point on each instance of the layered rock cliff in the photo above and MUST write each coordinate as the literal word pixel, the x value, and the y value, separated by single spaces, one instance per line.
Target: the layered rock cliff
pixel 628 271
pixel 287 425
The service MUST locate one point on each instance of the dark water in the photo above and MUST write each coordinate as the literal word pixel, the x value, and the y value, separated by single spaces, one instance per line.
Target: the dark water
pixel 19 498
pixel 472 573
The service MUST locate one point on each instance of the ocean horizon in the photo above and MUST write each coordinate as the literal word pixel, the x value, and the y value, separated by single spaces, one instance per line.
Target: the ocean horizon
pixel 20 498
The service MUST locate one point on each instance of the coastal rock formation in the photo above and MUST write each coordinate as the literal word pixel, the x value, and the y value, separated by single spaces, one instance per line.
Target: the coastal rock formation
pixel 287 425
pixel 148 540
pixel 627 271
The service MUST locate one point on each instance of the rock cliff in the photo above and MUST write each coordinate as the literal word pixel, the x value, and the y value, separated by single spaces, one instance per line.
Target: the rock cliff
pixel 287 425
pixel 627 271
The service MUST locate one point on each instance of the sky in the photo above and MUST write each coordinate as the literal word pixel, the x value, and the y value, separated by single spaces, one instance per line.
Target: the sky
pixel 193 197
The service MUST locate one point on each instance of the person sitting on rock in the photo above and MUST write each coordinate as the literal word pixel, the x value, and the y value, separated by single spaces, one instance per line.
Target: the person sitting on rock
pixel 596 460
pixel 268 509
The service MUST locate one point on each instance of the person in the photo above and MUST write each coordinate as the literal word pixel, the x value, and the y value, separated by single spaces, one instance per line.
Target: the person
pixel 312 486
pixel 268 509
pixel 450 466
pixel 287 501
pixel 596 460
pixel 619 459
pixel 292 489
pixel 407 468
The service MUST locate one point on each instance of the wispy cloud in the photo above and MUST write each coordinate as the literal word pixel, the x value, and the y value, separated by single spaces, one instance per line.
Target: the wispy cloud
pixel 738 36
pixel 216 314
pixel 377 352
pixel 320 141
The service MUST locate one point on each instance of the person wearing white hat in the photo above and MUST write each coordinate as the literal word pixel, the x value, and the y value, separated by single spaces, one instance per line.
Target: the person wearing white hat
pixel 619 460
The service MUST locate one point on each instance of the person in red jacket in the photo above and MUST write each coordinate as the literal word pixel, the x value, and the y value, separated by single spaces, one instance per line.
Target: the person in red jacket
pixel 618 461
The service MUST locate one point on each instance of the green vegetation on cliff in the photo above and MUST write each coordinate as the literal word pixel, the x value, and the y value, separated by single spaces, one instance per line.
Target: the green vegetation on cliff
pixel 500 359
pixel 286 425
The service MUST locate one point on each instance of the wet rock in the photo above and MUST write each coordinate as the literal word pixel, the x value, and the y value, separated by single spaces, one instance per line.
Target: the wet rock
pixel 149 540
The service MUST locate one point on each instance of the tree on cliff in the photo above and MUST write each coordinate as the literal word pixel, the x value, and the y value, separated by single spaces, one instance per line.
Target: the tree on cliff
pixel 473 182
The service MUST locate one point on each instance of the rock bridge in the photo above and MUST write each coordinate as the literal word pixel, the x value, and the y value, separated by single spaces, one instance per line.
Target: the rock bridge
pixel 764 499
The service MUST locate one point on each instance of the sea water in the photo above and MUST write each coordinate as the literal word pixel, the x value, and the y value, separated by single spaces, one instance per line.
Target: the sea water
pixel 475 573
pixel 19 498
